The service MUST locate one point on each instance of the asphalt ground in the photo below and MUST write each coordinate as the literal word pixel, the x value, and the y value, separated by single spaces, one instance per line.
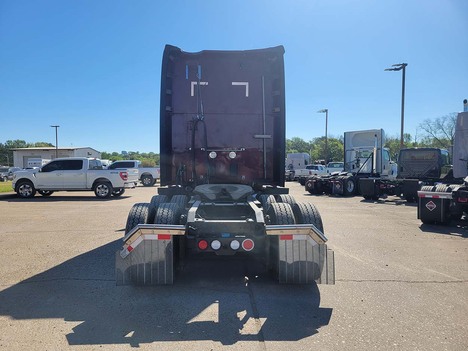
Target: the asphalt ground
pixel 400 285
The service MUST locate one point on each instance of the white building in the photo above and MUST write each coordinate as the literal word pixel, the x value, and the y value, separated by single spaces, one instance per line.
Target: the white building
pixel 25 157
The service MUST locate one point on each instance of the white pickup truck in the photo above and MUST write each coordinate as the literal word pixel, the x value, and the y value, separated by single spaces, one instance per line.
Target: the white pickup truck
pixel 302 174
pixel 148 175
pixel 74 174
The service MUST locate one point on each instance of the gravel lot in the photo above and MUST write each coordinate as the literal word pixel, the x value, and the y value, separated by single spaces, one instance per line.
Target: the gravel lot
pixel 400 285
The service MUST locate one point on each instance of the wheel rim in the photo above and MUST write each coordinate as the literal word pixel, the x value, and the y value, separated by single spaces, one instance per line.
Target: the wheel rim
pixel 146 181
pixel 350 186
pixel 25 190
pixel 102 190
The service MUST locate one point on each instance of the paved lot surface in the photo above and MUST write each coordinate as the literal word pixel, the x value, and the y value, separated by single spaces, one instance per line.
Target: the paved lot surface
pixel 400 285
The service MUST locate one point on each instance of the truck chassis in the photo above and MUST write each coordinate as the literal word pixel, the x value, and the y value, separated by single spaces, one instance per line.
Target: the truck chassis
pixel 224 220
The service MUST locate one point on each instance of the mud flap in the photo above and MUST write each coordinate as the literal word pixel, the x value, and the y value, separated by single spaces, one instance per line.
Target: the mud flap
pixel 147 255
pixel 303 257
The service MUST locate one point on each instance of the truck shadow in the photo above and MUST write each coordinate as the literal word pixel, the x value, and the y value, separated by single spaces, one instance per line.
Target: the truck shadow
pixel 454 228
pixel 61 198
pixel 217 303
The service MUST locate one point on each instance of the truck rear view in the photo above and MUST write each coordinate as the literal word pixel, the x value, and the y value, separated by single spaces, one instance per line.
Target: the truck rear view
pixel 222 143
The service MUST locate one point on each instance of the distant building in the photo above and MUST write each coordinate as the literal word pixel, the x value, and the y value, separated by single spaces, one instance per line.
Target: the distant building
pixel 26 157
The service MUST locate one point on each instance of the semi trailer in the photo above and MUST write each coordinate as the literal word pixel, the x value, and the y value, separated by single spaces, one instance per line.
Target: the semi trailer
pixel 439 203
pixel 222 194
pixel 364 157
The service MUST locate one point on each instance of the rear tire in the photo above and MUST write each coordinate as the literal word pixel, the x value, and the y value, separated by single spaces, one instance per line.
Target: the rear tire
pixel 180 200
pixel 167 213
pixel 266 201
pixel 139 214
pixel 307 213
pixel 349 186
pixel 287 199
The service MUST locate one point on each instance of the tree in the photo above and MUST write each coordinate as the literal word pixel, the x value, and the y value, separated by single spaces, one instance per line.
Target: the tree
pixel 297 144
pixel 335 149
pixel 393 144
pixel 440 131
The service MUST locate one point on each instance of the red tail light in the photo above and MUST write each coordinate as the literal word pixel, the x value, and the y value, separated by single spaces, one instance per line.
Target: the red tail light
pixel 123 175
pixel 203 244
pixel 248 245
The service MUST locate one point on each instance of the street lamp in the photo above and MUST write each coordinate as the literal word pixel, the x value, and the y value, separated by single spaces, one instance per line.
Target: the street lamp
pixel 325 110
pixel 399 67
pixel 56 140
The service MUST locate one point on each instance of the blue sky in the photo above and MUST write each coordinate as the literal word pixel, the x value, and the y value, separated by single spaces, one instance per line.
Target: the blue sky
pixel 93 67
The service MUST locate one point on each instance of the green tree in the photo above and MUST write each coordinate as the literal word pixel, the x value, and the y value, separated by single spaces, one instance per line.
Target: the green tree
pixel 297 144
pixel 335 149
pixel 439 132
pixel 393 144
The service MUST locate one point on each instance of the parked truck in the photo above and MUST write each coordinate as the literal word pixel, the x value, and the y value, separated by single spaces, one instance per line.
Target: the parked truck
pixel 303 174
pixel 148 175
pixel 417 167
pixel 294 161
pixel 73 174
pixel 364 156
pixel 222 144
pixel 442 202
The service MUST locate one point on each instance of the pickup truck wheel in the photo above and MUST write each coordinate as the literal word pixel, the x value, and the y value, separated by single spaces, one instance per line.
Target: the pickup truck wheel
pixel 25 189
pixel 103 190
pixel 139 214
pixel 118 192
pixel 45 192
pixel 147 180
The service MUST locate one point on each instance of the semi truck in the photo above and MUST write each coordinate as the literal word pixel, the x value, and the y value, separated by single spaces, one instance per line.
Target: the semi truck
pixel 222 194
pixel 294 161
pixel 417 167
pixel 439 203
pixel 364 156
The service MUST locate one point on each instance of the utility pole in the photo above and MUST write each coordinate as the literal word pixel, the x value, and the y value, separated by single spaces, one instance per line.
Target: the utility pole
pixel 401 67
pixel 56 140
pixel 325 110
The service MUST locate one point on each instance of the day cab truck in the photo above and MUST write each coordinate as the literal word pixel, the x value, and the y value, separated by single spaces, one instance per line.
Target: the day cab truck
pixel 364 157
pixel 74 174
pixel 417 167
pixel 222 194
pixel 439 203
pixel 147 175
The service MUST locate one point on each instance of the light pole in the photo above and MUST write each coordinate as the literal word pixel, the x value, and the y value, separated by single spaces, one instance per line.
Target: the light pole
pixel 325 110
pixel 56 140
pixel 399 67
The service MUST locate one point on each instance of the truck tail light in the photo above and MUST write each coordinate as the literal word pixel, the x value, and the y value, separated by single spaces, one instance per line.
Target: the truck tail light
pixel 123 175
pixel 203 245
pixel 463 199
pixel 215 245
pixel 248 244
